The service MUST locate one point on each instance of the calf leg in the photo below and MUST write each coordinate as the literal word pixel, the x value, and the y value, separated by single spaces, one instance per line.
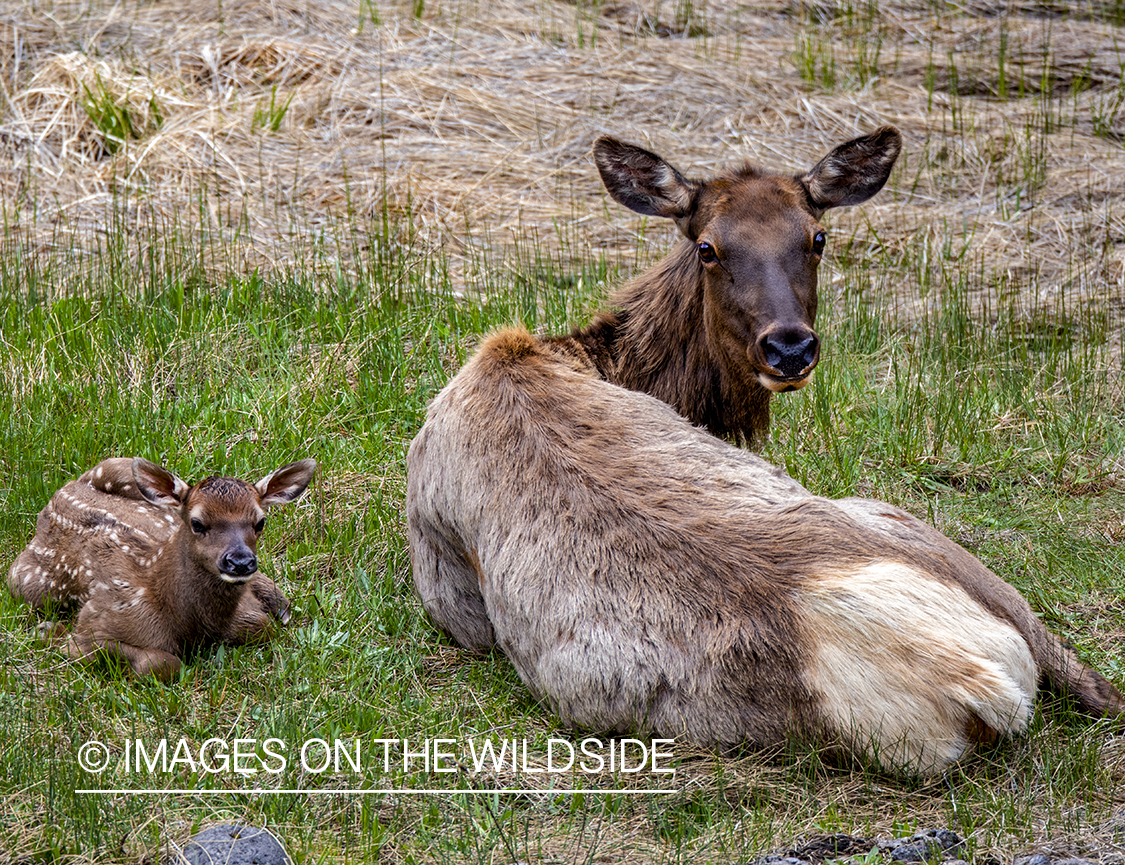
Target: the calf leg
pixel 270 597
pixel 253 619
pixel 143 662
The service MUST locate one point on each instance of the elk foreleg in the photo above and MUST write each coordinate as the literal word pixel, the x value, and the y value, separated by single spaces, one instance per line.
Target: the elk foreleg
pixel 271 598
pixel 253 618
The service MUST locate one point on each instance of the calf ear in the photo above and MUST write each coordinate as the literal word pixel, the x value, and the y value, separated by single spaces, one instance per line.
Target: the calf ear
pixel 854 171
pixel 641 180
pixel 158 485
pixel 286 484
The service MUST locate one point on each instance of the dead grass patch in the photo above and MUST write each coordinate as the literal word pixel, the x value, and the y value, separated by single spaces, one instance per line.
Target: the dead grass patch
pixel 297 118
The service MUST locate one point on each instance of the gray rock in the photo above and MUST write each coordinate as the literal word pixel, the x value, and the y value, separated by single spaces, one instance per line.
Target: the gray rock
pixel 234 844
pixel 918 852
pixel 924 846
pixel 1037 859
pixel 832 847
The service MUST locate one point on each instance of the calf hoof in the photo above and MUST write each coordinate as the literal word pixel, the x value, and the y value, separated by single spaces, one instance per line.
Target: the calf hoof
pixel 50 632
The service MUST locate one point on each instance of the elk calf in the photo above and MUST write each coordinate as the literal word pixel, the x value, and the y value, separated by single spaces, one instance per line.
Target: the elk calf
pixel 727 318
pixel 644 575
pixel 154 565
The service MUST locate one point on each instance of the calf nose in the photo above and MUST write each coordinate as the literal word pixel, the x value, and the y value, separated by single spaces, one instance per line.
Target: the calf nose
pixel 791 352
pixel 238 563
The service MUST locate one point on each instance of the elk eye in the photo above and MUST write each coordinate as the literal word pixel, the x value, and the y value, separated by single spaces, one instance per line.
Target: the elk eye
pixel 198 527
pixel 707 253
pixel 260 526
pixel 818 242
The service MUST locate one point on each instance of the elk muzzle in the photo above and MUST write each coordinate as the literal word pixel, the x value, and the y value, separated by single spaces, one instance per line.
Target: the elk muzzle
pixel 237 565
pixel 786 358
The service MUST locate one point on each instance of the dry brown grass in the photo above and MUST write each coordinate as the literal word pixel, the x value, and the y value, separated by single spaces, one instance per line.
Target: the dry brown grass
pixel 478 119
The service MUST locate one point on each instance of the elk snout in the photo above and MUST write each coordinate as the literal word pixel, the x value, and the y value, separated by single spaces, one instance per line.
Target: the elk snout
pixel 789 355
pixel 238 565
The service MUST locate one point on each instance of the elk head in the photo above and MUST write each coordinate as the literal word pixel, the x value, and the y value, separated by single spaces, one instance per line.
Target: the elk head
pixel 223 517
pixel 757 242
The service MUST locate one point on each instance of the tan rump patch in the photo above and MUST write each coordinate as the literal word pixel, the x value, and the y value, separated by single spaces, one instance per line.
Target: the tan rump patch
pixel 906 667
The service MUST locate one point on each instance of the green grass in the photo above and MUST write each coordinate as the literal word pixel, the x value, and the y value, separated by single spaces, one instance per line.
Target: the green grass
pixel 1004 434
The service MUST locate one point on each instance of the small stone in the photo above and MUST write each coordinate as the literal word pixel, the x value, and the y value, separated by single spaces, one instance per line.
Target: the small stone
pixel 943 838
pixel 234 844
pixel 1070 861
pixel 924 846
pixel 830 847
pixel 1037 859
pixel 916 852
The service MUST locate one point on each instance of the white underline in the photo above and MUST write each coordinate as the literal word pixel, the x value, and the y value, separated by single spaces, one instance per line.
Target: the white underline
pixel 372 792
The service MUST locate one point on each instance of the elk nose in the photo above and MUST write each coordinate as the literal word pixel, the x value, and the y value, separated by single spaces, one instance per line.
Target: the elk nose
pixel 238 563
pixel 791 352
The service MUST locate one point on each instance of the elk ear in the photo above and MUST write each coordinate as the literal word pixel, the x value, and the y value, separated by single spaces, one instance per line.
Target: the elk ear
pixel 158 485
pixel 641 180
pixel 286 484
pixel 854 171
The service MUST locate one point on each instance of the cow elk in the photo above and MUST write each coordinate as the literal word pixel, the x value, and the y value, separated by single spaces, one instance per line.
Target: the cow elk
pixel 154 565
pixel 727 318
pixel 644 575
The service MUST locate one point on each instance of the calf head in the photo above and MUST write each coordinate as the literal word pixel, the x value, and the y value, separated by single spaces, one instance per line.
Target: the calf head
pixel 758 242
pixel 223 517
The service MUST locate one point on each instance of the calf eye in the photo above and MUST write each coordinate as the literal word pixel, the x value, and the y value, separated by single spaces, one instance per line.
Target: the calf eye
pixel 818 242
pixel 707 252
pixel 260 526
pixel 198 527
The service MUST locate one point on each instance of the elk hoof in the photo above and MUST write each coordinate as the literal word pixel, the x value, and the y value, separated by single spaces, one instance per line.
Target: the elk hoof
pixel 49 632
